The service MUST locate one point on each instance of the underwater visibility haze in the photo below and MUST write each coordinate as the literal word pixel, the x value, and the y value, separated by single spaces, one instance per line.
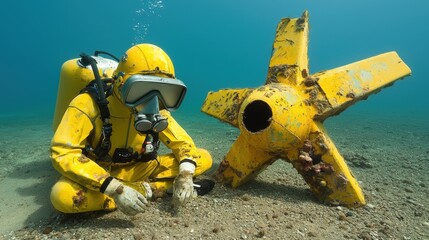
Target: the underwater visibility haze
pixel 216 45
pixel 213 44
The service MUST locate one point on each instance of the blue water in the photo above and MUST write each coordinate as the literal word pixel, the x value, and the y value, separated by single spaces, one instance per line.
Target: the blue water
pixel 214 44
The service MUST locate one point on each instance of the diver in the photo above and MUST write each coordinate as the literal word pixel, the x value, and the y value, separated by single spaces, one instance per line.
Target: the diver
pixel 106 145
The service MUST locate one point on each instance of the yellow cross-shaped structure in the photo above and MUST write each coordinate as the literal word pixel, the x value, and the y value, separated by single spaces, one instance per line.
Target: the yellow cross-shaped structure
pixel 283 118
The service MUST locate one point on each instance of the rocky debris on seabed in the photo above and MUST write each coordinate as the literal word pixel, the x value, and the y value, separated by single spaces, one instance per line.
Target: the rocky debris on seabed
pixel 276 205
pixel 226 214
pixel 357 160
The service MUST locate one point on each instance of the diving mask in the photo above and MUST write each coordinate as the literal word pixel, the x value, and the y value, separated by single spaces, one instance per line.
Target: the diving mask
pixel 145 94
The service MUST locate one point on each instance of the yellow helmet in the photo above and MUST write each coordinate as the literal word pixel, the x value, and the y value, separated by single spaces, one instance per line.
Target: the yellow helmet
pixel 144 59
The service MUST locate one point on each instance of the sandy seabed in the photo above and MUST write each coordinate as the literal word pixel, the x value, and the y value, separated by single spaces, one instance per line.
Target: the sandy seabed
pixel 388 156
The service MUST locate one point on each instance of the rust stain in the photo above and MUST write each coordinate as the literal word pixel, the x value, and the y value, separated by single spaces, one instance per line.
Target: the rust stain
pixel 107 203
pixel 79 198
pixel 290 41
pixel 340 181
pixel 304 73
pixel 350 95
pixel 268 94
pixel 221 169
pixel 300 22
pixel 236 172
pixel 320 104
pixel 83 159
pixel 100 177
pixel 282 25
pixel 224 166
pixel 279 70
pixel 231 112
pixel 321 143
pixel 310 81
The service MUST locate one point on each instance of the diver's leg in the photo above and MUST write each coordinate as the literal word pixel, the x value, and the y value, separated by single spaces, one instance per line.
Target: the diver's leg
pixel 70 197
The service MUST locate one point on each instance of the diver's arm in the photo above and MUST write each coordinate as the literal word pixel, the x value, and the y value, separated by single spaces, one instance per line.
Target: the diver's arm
pixel 69 140
pixel 184 149
pixel 178 140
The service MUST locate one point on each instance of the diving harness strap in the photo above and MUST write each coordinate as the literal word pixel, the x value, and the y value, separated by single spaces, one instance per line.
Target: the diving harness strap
pixel 99 90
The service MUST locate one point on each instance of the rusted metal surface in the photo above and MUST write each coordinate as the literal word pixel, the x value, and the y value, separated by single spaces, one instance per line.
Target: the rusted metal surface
pixel 283 118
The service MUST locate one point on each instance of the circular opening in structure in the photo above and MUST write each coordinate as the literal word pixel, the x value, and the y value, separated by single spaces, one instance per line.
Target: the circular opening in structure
pixel 257 116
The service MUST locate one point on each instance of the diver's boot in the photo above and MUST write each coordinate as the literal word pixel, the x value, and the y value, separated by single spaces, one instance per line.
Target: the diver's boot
pixel 203 186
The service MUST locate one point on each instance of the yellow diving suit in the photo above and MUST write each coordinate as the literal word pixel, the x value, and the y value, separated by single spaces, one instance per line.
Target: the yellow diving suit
pixel 78 189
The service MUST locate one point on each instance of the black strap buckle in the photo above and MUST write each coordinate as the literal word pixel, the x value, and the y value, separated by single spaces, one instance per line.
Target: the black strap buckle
pixel 123 155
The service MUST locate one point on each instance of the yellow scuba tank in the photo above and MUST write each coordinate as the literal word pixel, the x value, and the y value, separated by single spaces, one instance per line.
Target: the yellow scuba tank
pixel 74 77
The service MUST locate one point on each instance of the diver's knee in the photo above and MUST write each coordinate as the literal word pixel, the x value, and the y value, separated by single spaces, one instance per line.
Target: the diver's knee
pixel 204 162
pixel 62 196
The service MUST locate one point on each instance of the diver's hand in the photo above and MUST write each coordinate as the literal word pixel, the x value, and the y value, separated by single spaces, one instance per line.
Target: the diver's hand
pixel 128 200
pixel 183 188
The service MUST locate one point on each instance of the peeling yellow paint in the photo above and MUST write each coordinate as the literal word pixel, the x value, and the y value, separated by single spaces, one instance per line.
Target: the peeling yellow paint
pixel 283 118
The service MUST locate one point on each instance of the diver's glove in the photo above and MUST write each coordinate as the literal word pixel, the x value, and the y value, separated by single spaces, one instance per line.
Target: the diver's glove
pixel 128 200
pixel 183 186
